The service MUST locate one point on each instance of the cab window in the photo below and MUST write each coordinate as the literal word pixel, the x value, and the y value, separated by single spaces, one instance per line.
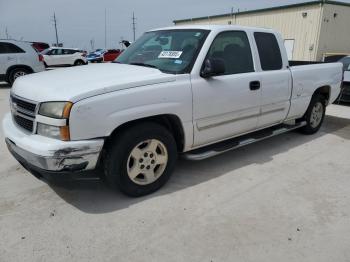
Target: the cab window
pixel 234 49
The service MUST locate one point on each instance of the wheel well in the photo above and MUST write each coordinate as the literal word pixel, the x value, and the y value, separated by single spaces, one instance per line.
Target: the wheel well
pixel 11 68
pixel 78 60
pixel 171 122
pixel 325 91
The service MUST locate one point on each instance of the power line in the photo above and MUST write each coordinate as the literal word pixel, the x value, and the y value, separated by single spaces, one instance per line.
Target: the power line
pixel 134 25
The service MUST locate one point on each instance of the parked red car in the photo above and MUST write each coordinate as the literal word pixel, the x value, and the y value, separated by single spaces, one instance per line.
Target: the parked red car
pixel 111 55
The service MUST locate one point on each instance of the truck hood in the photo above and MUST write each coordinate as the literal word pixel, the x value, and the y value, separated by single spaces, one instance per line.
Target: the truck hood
pixel 76 83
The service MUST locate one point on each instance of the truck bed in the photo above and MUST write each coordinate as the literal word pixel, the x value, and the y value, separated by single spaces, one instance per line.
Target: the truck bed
pixel 307 77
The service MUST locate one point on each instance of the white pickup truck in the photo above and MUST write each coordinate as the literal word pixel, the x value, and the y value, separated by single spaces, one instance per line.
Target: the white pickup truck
pixel 197 91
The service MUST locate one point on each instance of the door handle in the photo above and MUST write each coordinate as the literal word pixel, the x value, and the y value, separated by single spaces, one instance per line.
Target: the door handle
pixel 254 85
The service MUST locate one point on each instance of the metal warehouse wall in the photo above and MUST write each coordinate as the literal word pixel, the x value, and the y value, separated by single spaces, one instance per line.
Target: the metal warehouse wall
pixel 335 30
pixel 290 22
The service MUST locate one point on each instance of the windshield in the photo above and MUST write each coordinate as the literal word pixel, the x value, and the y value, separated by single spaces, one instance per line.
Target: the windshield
pixel 171 51
pixel 346 63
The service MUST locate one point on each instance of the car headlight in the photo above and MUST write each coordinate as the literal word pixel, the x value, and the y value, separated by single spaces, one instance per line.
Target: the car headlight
pixel 55 109
pixel 53 120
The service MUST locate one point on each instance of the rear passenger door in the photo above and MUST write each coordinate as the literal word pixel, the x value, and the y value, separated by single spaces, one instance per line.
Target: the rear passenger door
pixel 276 81
pixel 229 104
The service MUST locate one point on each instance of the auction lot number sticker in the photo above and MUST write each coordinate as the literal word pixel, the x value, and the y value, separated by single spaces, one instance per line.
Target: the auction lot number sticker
pixel 170 54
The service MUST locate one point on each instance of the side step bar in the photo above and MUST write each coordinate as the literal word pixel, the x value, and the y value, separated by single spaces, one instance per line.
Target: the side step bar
pixel 228 145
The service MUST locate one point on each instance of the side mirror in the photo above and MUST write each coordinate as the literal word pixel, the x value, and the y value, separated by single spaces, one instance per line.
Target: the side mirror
pixel 213 67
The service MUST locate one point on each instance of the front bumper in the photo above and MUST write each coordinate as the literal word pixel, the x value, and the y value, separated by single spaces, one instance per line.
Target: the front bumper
pixel 46 154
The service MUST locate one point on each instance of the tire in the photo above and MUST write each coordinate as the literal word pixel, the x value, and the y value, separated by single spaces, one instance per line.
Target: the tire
pixel 15 73
pixel 141 159
pixel 314 115
pixel 79 63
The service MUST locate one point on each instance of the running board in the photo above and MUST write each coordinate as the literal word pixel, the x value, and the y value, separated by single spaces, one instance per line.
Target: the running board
pixel 228 145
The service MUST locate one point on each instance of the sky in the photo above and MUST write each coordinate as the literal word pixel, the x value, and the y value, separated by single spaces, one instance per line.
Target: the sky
pixel 80 21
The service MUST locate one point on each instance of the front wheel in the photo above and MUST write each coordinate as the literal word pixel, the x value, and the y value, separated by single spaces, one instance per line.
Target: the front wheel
pixel 141 159
pixel 314 115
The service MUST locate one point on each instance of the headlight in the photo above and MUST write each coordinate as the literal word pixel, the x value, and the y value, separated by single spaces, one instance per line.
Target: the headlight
pixel 54 128
pixel 55 109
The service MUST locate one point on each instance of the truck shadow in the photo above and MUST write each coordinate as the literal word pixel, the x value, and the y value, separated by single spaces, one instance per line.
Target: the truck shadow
pixel 93 196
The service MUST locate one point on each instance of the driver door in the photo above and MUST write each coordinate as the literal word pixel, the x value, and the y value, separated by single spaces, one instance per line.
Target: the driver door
pixel 227 105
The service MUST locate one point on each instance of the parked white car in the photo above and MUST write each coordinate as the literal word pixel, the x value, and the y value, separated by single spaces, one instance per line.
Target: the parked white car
pixel 345 94
pixel 18 58
pixel 198 91
pixel 59 56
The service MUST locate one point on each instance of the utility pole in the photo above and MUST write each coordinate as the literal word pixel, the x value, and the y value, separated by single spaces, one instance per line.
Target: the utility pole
pixel 92 44
pixel 105 28
pixel 7 33
pixel 55 23
pixel 134 25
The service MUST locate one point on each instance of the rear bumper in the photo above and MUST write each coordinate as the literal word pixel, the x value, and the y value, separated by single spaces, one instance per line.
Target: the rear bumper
pixel 39 67
pixel 50 155
pixel 345 94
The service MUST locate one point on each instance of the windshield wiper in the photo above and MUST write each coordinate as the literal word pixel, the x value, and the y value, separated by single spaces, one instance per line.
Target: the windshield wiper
pixel 143 64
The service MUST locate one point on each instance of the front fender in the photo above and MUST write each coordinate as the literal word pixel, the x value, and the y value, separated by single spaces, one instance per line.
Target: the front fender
pixel 100 115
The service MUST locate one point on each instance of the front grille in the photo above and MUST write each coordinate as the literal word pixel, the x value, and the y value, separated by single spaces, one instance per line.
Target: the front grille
pixel 23 105
pixel 24 123
pixel 23 113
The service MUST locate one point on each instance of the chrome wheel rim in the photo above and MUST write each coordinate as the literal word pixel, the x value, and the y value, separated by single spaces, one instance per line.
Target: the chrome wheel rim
pixel 316 115
pixel 18 74
pixel 147 162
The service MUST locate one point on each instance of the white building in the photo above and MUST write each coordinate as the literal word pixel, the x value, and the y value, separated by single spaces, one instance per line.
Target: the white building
pixel 311 30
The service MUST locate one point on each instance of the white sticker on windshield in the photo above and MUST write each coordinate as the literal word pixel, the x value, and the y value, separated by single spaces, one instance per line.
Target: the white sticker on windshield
pixel 170 54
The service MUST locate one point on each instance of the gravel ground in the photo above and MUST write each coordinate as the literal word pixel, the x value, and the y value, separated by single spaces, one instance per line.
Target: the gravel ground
pixel 283 199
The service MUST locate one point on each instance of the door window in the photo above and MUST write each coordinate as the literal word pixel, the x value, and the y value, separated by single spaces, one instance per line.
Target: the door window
pixel 234 49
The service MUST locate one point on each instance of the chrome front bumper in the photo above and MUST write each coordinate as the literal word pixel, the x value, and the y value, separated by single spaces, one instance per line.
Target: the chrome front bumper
pixel 68 160
pixel 46 154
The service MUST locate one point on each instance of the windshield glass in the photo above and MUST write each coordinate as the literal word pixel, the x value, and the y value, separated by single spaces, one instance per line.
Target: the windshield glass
pixel 171 51
pixel 346 63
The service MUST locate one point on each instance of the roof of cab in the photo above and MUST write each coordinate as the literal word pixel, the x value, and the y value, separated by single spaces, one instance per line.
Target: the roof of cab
pixel 215 28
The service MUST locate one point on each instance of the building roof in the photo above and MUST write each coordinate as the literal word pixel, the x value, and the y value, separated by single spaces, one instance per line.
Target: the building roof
pixel 266 9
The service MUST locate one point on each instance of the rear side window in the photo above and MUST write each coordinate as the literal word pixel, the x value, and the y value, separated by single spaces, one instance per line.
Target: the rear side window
pixel 9 48
pixel 69 51
pixel 269 51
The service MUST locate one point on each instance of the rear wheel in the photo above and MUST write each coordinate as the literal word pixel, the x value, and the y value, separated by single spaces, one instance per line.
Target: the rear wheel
pixel 79 63
pixel 314 115
pixel 141 159
pixel 16 73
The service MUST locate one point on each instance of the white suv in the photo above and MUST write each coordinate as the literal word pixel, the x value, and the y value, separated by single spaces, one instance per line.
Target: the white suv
pixel 58 56
pixel 18 58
